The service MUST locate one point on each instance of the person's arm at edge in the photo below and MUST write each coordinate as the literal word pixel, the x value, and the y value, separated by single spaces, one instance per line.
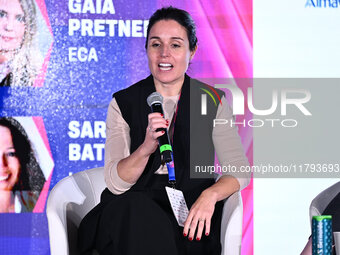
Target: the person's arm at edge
pixel 308 248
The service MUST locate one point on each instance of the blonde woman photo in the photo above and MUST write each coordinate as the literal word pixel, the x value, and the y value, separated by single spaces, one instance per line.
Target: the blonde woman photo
pixel 20 60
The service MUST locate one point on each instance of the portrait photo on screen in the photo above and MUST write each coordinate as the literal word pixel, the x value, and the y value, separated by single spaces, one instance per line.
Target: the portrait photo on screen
pixel 24 177
pixel 23 43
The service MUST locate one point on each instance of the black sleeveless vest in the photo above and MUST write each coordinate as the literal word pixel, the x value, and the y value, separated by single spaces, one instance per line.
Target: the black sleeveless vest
pixel 190 125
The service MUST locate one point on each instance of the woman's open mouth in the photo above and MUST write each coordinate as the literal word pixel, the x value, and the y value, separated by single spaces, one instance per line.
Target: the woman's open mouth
pixel 4 178
pixel 165 66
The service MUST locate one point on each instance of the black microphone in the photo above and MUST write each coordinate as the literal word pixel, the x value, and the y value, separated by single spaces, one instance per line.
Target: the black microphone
pixel 155 101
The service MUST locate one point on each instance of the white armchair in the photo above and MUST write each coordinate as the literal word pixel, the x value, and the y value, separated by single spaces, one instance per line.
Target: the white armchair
pixel 74 196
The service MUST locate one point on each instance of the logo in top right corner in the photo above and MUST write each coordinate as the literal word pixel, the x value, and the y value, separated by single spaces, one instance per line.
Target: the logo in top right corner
pixel 322 3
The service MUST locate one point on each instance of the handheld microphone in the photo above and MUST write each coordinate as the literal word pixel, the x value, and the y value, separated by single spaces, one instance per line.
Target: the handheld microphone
pixel 155 101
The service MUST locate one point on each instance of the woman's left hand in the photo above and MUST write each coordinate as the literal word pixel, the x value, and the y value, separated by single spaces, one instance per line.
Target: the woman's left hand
pixel 200 215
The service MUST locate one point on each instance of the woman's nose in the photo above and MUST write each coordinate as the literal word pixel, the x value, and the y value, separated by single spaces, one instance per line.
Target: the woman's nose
pixel 165 52
pixel 9 24
pixel 3 161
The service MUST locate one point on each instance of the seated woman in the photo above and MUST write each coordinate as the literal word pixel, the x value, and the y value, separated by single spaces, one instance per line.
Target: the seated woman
pixel 21 178
pixel 134 215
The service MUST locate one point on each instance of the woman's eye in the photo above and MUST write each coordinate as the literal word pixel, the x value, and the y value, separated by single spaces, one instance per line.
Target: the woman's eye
pixel 2 13
pixel 20 18
pixel 155 45
pixel 11 154
pixel 176 45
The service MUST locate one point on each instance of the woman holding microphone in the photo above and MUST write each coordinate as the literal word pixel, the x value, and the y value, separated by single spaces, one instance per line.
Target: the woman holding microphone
pixel 135 216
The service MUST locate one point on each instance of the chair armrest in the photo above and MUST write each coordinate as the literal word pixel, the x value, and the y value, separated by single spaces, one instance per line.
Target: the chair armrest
pixel 231 225
pixel 64 192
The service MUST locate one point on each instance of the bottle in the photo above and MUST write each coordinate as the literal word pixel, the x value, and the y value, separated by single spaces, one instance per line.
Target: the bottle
pixel 322 235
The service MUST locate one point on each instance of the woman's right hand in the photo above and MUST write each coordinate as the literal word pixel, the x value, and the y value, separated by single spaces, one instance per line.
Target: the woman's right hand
pixel 156 121
pixel 130 168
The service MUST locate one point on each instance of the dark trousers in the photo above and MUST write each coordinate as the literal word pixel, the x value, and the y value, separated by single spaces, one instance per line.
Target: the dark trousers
pixel 138 223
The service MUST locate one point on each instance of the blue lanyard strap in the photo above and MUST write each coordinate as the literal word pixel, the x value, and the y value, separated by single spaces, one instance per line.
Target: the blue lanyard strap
pixel 171 172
